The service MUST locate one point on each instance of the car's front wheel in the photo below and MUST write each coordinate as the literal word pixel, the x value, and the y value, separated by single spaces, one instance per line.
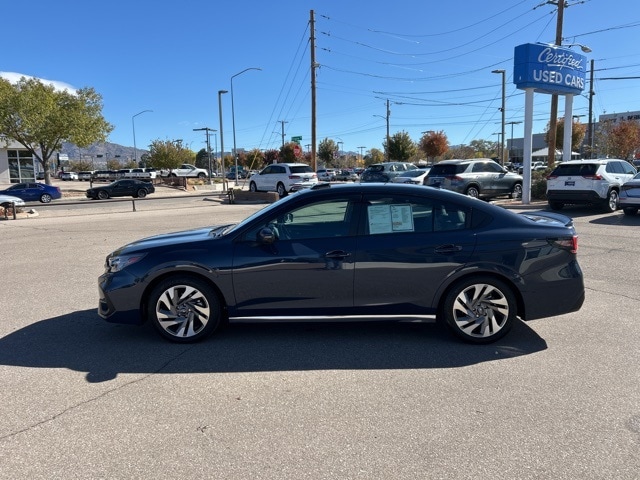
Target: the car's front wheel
pixel 253 187
pixel 479 309
pixel 103 195
pixel 184 309
pixel 472 192
pixel 201 176
pixel 517 191
pixel 281 190
pixel 630 210
pixel 45 198
pixel 611 205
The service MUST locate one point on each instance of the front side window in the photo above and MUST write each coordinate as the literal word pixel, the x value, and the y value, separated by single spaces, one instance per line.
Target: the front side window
pixel 320 219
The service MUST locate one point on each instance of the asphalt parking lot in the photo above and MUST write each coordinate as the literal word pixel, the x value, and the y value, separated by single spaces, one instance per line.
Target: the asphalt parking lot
pixel 557 398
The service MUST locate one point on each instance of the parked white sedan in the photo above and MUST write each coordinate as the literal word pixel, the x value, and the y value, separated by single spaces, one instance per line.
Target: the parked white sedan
pixel 7 200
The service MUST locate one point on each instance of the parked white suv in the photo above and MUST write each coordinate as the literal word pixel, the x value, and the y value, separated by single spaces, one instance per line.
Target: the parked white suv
pixel 283 178
pixel 595 182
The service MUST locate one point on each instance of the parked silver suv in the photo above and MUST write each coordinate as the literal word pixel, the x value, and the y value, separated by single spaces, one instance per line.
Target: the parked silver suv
pixel 595 182
pixel 480 178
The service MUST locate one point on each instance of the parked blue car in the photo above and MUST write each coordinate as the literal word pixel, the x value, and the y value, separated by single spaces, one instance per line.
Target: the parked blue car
pixel 33 192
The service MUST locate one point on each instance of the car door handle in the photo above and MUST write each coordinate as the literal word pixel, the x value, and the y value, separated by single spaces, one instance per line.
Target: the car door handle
pixel 448 248
pixel 339 254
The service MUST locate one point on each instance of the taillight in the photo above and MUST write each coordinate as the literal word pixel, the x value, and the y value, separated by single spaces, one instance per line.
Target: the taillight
pixel 570 244
pixel 551 177
pixel 592 177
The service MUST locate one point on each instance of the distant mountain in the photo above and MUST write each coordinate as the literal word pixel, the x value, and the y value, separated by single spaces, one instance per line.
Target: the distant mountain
pixel 107 150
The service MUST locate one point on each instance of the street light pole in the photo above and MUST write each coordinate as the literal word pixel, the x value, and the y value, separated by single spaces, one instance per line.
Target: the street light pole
pixel 207 130
pixel 133 123
pixel 224 176
pixel 503 110
pixel 233 119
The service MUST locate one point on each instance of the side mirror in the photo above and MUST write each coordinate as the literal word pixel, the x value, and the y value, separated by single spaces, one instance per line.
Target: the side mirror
pixel 267 235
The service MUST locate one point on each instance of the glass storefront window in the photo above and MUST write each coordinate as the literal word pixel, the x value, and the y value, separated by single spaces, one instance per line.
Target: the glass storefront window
pixel 20 166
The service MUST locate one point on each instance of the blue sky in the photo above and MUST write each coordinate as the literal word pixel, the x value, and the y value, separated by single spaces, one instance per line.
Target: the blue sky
pixel 431 59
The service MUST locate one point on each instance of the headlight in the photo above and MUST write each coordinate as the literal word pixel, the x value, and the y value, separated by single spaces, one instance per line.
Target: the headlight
pixel 120 262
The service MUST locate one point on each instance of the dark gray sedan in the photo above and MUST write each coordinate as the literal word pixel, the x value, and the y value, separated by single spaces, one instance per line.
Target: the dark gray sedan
pixel 121 188
pixel 335 251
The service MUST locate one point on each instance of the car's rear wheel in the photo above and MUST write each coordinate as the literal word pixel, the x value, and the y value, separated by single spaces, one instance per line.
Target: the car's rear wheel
pixel 472 191
pixel 45 198
pixel 611 205
pixel 479 309
pixel 556 205
pixel 253 187
pixel 141 193
pixel 517 191
pixel 630 210
pixel 184 309
pixel 281 190
pixel 103 195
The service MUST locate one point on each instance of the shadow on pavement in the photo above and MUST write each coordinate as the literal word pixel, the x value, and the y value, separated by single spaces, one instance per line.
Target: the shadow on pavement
pixel 81 341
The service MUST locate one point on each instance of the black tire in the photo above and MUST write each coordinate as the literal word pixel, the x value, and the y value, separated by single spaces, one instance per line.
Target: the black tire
pixel 45 198
pixel 184 309
pixel 479 309
pixel 630 210
pixel 103 195
pixel 253 187
pixel 556 205
pixel 517 191
pixel 472 191
pixel 141 193
pixel 202 176
pixel 282 192
pixel 611 204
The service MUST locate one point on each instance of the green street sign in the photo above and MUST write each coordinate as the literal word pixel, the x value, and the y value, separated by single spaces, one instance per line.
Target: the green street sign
pixel 297 139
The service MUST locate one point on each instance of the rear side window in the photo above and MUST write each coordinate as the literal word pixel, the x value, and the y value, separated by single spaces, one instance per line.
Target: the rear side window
pixel 575 169
pixel 376 168
pixel 448 169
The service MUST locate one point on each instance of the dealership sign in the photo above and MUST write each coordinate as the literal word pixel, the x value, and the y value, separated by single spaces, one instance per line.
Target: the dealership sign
pixel 549 69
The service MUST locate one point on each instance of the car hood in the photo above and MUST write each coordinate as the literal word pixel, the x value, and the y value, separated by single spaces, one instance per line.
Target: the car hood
pixel 175 238
pixel 9 198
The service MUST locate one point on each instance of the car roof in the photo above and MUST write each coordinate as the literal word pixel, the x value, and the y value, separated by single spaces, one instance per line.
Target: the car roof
pixel 601 161
pixel 457 161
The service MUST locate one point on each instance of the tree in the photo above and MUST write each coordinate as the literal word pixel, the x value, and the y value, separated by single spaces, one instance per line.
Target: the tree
pixel 271 156
pixel 578 131
pixel 290 153
pixel 327 151
pixel 375 156
pixel 400 147
pixel 40 118
pixel 434 144
pixel 619 139
pixel 168 154
pixel 202 159
pixel 255 159
pixel 484 149
pixel 80 166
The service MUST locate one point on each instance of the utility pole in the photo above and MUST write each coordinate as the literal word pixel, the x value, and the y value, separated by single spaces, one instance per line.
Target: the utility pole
pixel 553 120
pixel 591 125
pixel 314 66
pixel 207 130
pixel 386 150
pixel 283 122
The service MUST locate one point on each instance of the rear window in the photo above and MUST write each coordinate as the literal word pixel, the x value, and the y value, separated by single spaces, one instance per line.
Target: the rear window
pixel 575 169
pixel 448 169
pixel 302 169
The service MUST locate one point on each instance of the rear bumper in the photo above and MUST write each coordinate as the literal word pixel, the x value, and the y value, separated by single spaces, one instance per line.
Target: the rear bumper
pixel 574 196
